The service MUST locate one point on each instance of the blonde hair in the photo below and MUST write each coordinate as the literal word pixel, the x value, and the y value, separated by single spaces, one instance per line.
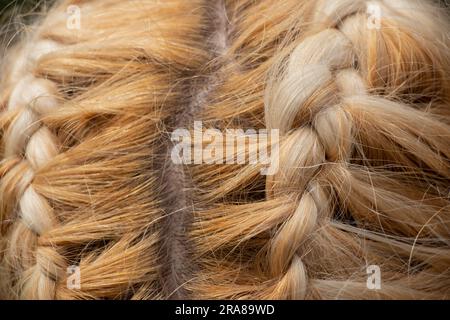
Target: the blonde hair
pixel 363 111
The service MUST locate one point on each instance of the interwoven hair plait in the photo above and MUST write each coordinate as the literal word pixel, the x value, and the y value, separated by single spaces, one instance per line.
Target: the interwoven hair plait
pixel 357 91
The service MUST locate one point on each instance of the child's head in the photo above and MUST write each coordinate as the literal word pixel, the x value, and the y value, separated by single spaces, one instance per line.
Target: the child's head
pixel 92 204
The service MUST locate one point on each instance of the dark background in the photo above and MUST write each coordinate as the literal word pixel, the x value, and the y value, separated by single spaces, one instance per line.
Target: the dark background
pixel 10 9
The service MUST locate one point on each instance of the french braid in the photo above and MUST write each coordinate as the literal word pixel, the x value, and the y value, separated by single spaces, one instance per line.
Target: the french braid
pixel 323 60
pixel 51 133
pixel 348 102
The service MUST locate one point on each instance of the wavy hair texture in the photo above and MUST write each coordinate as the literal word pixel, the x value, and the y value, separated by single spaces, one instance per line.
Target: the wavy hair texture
pixel 86 177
